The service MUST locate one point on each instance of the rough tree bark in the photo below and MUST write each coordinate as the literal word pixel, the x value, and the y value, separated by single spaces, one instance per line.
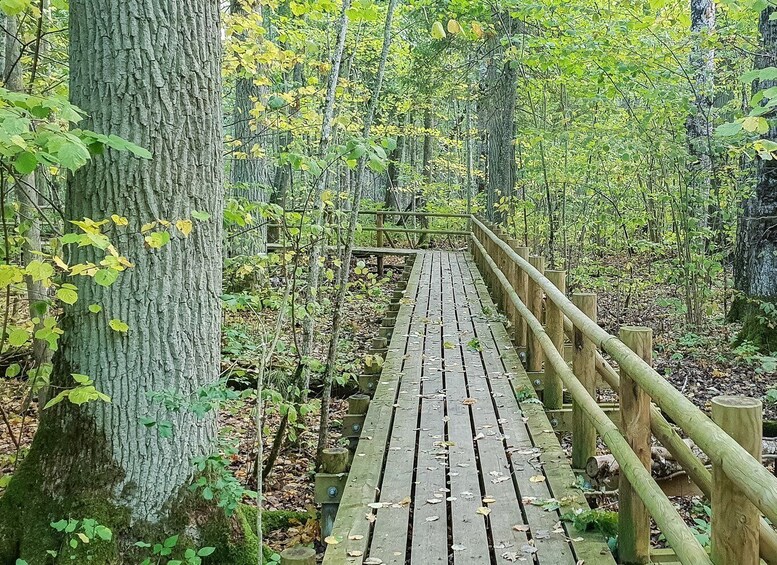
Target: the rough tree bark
pixel 149 71
pixel 251 175
pixel 498 98
pixel 699 124
pixel 755 260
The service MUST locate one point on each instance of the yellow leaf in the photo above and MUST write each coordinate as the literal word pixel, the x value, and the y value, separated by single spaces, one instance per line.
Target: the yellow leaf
pixel 483 510
pixel 184 226
pixel 477 29
pixel 454 27
pixel 437 31
pixel 537 479
pixel 60 263
pixel 331 540
pixel 119 220
pixel 146 227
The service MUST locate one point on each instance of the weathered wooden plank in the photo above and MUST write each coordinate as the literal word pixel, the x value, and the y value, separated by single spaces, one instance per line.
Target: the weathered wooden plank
pixel 505 519
pixel 351 528
pixel 525 456
pixel 560 478
pixel 429 542
pixel 390 535
pixel 468 524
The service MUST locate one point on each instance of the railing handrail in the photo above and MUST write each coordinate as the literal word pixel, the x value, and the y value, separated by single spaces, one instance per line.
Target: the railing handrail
pixel 679 536
pixel 394 213
pixel 754 480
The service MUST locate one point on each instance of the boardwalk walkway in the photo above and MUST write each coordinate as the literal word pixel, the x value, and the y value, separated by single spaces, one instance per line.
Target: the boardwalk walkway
pixel 451 467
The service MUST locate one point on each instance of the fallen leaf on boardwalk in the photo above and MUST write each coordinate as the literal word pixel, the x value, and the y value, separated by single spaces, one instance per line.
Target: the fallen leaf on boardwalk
pixel 331 540
pixel 432 518
pixel 541 534
pixel 355 537
pixel 370 517
pixel 433 501
pixel 375 505
pixel 469 401
pixel 355 553
pixel 530 549
pixel 537 478
pixel 479 436
pixel 512 557
pixel 405 501
pixel 458 547
pixel 489 500
pixel 485 511
pixel 372 561
pixel 521 528
pixel 498 480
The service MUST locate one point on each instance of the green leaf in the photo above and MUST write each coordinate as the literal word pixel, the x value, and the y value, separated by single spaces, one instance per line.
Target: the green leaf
pixel 157 239
pixel 67 295
pixel 13 370
pixel 14 7
pixel 201 216
pixel 95 308
pixel 18 337
pixel 118 325
pixel 81 379
pixel 38 270
pixel 205 551
pixel 106 277
pixel 25 162
pixel 728 129
pixel 171 541
pixel 72 155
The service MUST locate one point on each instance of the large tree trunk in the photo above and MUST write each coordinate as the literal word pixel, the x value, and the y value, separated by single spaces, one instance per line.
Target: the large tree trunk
pixel 499 113
pixel 755 261
pixel 149 71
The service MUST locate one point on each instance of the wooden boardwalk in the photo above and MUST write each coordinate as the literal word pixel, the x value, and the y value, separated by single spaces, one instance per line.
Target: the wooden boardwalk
pixel 451 467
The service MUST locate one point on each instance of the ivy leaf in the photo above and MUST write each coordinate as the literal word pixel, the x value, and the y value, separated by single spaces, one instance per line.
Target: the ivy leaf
pixel 184 226
pixel 13 370
pixel 157 239
pixel 201 216
pixel 95 308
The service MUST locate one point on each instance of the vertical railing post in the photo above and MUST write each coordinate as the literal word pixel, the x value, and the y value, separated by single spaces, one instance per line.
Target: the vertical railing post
pixel 511 273
pixel 379 240
pixel 553 392
pixel 735 520
pixel 523 293
pixel 535 293
pixel 584 368
pixel 633 517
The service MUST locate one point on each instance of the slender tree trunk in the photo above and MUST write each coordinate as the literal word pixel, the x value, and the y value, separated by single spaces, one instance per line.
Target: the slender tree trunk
pixel 26 195
pixel 755 261
pixel 314 267
pixel 137 73
pixel 345 268
pixel 428 174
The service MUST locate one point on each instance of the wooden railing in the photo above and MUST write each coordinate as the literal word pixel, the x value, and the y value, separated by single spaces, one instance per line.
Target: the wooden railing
pixel 739 487
pixel 384 234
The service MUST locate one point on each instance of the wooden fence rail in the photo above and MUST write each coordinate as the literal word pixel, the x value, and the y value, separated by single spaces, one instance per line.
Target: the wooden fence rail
pixel 736 535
